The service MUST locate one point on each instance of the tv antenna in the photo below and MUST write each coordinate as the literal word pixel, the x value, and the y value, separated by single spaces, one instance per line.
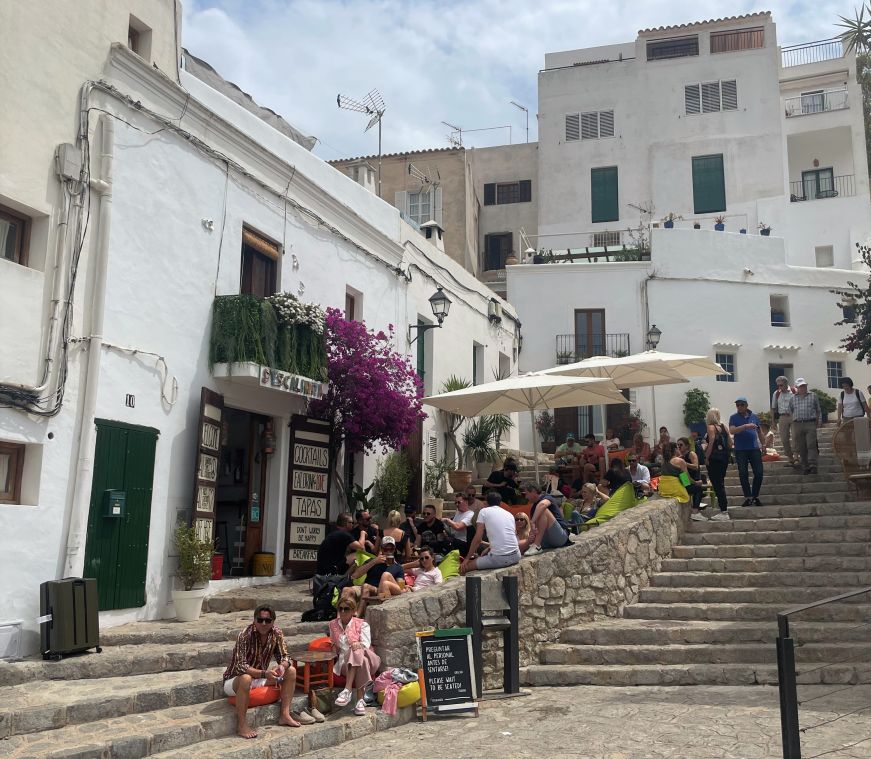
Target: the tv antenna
pixel 372 105
pixel 456 142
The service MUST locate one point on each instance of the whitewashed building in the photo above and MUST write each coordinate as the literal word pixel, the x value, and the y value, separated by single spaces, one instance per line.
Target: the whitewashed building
pixel 702 120
pixel 142 194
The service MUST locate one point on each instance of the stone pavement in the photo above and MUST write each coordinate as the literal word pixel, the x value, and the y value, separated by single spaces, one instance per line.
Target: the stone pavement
pixel 699 722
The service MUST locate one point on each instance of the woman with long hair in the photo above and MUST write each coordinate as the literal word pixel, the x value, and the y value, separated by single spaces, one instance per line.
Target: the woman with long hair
pixel 717 456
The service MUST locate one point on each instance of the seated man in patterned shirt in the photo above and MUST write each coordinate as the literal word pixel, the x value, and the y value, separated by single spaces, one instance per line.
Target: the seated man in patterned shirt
pixel 249 668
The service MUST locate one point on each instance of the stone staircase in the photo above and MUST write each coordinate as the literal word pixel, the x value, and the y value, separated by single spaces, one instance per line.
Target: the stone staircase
pixel 156 691
pixel 708 617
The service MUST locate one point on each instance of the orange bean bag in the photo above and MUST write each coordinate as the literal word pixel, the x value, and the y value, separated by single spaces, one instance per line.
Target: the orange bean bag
pixel 320 644
pixel 265 694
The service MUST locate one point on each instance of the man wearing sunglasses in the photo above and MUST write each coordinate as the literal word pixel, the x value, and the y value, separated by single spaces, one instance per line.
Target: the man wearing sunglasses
pixel 249 668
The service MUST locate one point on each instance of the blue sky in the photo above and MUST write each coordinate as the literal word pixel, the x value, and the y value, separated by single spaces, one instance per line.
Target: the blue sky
pixel 433 60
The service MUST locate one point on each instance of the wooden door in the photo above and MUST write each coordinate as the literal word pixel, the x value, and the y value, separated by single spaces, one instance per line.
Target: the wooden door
pixel 589 333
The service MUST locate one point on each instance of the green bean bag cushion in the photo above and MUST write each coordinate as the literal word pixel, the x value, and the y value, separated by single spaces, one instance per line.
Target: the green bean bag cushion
pixel 623 498
pixel 450 566
pixel 362 558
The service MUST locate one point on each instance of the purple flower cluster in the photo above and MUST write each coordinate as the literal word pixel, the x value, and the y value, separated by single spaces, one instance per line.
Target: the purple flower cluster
pixel 374 394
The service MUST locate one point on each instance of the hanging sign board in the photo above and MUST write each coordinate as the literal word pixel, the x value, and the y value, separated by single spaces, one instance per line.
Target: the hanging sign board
pixel 308 493
pixel 207 457
pixel 447 676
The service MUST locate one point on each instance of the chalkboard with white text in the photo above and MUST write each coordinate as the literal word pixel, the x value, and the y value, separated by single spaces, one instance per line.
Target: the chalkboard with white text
pixel 447 669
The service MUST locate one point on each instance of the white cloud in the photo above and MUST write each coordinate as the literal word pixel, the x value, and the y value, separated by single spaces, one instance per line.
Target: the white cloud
pixel 432 60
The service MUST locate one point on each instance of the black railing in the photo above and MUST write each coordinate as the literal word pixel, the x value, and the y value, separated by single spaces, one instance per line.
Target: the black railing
pixel 571 348
pixel 788 680
pixel 811 52
pixel 821 187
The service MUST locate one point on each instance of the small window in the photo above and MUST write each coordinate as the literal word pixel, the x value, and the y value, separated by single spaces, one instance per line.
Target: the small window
pixel 679 47
pixel 139 38
pixel 711 97
pixel 606 239
pixel 497 248
pixel 834 373
pixel 824 256
pixel 604 194
pixel 259 264
pixel 597 124
pixel 11 470
pixel 779 310
pixel 14 236
pixel 730 42
pixel 477 364
pixel 508 192
pixel 573 127
pixel 848 310
pixel 727 361
pixel 709 184
pixel 420 206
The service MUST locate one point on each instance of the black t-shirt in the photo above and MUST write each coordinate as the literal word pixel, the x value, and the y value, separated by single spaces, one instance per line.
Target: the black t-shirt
pixel 331 553
pixel 507 488
pixel 373 576
pixel 371 533
pixel 615 479
pixel 431 534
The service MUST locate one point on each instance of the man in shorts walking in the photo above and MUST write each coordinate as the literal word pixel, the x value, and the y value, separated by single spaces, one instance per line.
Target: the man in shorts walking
pixel 501 534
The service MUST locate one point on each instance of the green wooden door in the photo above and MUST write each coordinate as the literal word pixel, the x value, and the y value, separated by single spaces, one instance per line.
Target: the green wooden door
pixel 116 552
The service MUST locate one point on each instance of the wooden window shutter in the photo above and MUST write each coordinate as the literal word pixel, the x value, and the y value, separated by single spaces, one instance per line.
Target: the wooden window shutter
pixel 437 206
pixel 261 244
pixel 490 194
pixel 525 190
pixel 573 130
pixel 604 195
pixel 606 123
pixel 400 201
pixel 729 90
pixel 709 184
pixel 589 126
pixel 710 97
pixel 692 98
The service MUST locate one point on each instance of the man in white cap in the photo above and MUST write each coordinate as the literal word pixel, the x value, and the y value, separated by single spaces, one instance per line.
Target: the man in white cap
pixel 806 418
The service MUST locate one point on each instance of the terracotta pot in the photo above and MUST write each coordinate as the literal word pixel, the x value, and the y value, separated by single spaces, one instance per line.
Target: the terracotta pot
pixel 511 260
pixel 548 446
pixel 459 479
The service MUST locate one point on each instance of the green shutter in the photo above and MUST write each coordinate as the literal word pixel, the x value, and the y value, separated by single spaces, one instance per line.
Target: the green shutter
pixel 709 184
pixel 603 193
pixel 421 351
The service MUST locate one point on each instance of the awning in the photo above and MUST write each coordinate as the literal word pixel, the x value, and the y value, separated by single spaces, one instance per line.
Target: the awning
pixel 251 375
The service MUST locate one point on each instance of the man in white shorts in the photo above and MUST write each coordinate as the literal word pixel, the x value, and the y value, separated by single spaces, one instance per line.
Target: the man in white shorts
pixel 501 534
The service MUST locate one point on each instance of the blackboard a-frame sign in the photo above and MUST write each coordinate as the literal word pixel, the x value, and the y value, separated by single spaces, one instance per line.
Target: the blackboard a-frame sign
pixel 446 674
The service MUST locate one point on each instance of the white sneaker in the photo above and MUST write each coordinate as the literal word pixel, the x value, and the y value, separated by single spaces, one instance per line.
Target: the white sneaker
pixel 533 549
pixel 721 516
pixel 697 516
pixel 360 708
pixel 344 698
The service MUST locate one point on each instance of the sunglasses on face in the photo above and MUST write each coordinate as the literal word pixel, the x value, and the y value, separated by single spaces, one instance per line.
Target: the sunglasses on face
pixel 426 558
pixel 264 620
pixel 346 608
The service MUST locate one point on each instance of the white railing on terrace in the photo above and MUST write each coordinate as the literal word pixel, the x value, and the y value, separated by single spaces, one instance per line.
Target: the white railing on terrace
pixel 811 52
pixel 816 102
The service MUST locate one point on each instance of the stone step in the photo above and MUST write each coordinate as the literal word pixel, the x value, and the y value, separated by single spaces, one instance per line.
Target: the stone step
pixel 799 486
pixel 807 564
pixel 801 510
pixel 746 612
pixel 769 499
pixel 631 632
pixel 749 551
pixel 126 661
pixel 761 579
pixel 685 674
pixel 562 654
pixel 801 524
pixel 284 595
pixel 156 732
pixel 767 537
pixel 275 742
pixel 784 596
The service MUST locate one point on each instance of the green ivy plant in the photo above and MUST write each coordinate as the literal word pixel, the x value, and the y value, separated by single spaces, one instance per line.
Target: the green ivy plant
pixel 827 403
pixel 434 478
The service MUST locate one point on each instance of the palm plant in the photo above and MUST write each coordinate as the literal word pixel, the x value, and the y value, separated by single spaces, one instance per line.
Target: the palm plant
pixel 452 421
pixel 857 31
pixel 478 440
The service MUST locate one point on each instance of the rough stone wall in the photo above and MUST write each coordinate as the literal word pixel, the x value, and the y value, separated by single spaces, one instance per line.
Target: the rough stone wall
pixel 599 574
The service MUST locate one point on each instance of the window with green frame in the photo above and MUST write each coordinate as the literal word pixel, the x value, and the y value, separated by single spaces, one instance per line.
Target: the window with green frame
pixel 709 184
pixel 603 194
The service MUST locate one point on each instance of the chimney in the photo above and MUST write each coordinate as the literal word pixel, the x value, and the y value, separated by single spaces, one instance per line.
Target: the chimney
pixel 434 233
pixel 363 173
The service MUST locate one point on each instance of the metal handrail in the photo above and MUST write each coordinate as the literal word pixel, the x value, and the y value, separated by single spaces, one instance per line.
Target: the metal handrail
pixel 843 186
pixel 816 102
pixel 811 52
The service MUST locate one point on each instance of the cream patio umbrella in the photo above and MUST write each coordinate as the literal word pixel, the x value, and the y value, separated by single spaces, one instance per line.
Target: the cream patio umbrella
pixel 528 392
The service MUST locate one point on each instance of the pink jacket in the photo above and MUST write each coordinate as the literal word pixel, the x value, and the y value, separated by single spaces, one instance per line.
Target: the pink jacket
pixel 352 630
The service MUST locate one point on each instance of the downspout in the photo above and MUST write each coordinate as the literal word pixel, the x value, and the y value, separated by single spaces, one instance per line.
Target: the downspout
pixel 78 520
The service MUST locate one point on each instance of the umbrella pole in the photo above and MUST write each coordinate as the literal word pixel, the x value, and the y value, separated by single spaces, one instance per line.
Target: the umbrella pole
pixel 604 435
pixel 534 445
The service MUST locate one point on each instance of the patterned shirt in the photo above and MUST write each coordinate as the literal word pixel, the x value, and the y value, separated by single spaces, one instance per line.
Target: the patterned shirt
pixel 804 408
pixel 250 651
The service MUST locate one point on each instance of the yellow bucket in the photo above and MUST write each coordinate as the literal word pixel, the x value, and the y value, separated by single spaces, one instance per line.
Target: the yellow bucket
pixel 263 564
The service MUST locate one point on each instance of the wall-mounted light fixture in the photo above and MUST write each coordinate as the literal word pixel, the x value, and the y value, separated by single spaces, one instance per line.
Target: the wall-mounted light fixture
pixel 441 305
pixel 494 311
pixel 654 334
pixel 267 439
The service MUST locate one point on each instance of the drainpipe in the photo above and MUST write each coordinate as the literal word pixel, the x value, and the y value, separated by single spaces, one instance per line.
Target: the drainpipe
pixel 78 520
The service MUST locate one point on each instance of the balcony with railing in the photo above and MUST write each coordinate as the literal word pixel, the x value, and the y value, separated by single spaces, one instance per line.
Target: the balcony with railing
pixel 821 186
pixel 816 102
pixel 571 348
pixel 811 52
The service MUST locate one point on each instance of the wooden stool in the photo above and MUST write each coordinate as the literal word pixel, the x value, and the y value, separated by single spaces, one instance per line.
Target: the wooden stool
pixel 312 677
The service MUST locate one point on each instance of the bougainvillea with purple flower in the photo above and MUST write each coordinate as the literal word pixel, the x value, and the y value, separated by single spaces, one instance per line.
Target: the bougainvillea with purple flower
pixel 374 395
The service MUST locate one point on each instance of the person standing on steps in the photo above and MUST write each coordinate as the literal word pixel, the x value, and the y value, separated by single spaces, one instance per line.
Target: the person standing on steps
pixel 781 415
pixel 717 457
pixel 744 426
pixel 806 418
pixel 852 404
pixel 255 647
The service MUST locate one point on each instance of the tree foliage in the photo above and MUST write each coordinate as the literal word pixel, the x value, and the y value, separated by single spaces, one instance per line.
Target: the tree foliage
pixel 855 299
pixel 374 395
pixel 857 37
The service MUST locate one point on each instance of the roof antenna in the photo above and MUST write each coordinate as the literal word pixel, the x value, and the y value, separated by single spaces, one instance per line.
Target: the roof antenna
pixel 372 105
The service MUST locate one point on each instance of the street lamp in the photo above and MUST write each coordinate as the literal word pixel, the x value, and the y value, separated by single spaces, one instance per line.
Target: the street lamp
pixel 441 305
pixel 653 337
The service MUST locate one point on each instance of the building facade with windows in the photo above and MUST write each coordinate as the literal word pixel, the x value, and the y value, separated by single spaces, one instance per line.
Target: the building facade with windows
pixel 163 207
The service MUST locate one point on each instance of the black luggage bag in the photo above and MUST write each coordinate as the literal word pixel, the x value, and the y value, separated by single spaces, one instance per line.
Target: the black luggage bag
pixel 74 624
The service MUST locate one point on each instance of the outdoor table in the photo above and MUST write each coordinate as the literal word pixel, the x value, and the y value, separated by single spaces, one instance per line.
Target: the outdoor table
pixel 312 677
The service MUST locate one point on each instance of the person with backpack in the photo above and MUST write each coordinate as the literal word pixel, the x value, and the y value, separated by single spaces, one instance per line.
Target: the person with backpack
pixel 852 404
pixel 782 416
pixel 718 453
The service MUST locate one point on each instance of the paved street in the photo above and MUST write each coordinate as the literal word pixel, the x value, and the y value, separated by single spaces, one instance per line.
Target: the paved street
pixel 630 723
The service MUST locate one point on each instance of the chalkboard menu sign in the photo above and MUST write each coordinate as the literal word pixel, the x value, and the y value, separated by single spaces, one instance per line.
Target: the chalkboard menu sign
pixel 447 676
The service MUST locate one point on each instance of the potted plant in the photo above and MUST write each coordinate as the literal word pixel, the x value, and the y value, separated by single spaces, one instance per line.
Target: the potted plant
pixel 743 231
pixel 478 444
pixel 764 229
pixel 358 498
pixel 434 485
pixel 720 223
pixel 669 219
pixel 391 482
pixel 697 225
pixel 827 403
pixel 511 259
pixel 546 432
pixel 695 406
pixel 459 479
pixel 564 357
pixel 194 571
